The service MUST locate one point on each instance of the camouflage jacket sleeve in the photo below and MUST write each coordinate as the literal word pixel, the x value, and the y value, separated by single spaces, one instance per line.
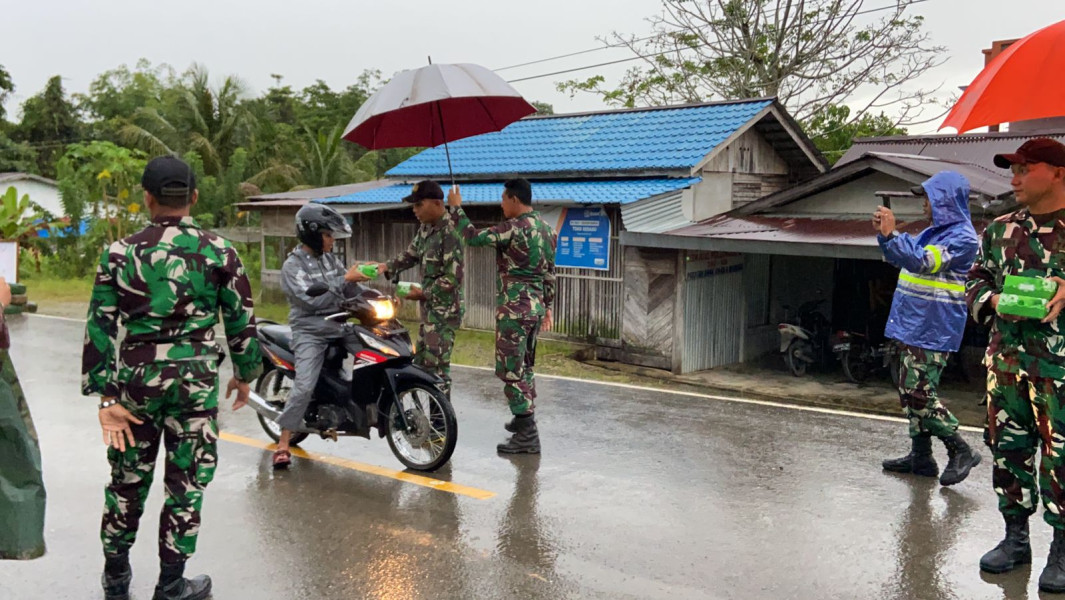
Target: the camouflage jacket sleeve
pixel 409 257
pixel 549 276
pixel 238 317
pixel 496 236
pixel 98 361
pixel 981 283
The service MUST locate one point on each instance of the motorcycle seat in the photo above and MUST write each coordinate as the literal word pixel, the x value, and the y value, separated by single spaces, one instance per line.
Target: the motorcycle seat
pixel 278 334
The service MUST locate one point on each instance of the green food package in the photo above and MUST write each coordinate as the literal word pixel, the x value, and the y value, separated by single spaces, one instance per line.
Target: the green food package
pixel 1022 306
pixel 1030 287
pixel 404 288
pixel 369 270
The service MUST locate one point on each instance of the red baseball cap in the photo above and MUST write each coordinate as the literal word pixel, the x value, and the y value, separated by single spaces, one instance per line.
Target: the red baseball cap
pixel 1039 150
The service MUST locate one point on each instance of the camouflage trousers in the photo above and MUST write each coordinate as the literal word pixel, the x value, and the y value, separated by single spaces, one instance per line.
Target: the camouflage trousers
pixel 515 359
pixel 436 340
pixel 178 402
pixel 919 375
pixel 1025 415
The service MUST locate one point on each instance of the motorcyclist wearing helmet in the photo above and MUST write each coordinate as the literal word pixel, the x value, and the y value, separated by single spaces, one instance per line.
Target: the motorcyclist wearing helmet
pixel 318 227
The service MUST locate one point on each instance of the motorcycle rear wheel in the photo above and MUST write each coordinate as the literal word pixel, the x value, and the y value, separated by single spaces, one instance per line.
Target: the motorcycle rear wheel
pixel 434 433
pixel 795 363
pixel 275 387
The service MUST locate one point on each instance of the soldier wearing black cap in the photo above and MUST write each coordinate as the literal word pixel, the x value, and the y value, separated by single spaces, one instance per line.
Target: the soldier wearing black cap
pixel 1026 359
pixel 167 285
pixel 437 247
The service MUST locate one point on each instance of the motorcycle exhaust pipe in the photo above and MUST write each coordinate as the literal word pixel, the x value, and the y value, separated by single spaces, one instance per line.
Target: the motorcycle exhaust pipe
pixel 262 407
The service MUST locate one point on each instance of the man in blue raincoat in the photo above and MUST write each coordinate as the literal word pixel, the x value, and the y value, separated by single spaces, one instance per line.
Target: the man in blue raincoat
pixel 928 316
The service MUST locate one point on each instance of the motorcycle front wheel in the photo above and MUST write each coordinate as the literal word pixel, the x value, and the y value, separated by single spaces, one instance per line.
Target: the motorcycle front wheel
pixel 793 358
pixel 433 428
pixel 855 365
pixel 275 387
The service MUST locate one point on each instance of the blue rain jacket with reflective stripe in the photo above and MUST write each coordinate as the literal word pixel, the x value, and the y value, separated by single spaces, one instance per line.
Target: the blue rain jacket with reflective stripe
pixel 928 310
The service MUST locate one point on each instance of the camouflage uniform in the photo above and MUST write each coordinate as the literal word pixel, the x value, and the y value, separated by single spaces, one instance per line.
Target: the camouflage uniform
pixel 525 258
pixel 1026 367
pixel 919 374
pixel 166 284
pixel 22 495
pixel 438 247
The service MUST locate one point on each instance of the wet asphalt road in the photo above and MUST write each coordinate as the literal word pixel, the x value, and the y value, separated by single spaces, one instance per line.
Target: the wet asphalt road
pixel 639 494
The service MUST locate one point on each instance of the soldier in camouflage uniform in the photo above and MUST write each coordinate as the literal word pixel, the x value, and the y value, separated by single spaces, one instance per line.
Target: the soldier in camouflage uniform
pixel 22 496
pixel 438 248
pixel 165 285
pixel 1026 359
pixel 928 319
pixel 525 257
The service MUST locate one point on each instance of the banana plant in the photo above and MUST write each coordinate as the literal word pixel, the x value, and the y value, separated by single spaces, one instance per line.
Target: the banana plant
pixel 20 220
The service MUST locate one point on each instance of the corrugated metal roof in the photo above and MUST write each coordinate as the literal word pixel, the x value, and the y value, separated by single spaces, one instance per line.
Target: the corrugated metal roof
pixel 621 191
pixel 323 192
pixel 841 236
pixel 655 215
pixel 616 141
pixel 975 148
pixel 983 180
pixel 14 176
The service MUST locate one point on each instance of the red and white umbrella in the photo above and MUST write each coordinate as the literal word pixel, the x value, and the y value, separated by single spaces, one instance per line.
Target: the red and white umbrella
pixel 434 105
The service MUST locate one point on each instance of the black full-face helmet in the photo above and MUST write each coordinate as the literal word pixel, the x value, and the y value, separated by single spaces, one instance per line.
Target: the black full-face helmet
pixel 313 219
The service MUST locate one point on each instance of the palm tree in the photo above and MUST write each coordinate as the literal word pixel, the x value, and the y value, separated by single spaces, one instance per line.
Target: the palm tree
pixel 211 122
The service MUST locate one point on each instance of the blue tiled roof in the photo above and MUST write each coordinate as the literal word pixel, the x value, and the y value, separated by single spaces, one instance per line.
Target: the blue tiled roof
pixel 580 192
pixel 657 139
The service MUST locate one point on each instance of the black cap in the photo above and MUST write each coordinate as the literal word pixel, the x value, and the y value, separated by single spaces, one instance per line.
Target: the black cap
pixel 1039 150
pixel 424 190
pixel 168 176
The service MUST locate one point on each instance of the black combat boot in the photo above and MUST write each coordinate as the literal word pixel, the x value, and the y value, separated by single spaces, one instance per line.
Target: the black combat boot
pixel 1011 552
pixel 526 438
pixel 961 458
pixel 116 578
pixel 173 585
pixel 1052 579
pixel 511 425
pixel 919 461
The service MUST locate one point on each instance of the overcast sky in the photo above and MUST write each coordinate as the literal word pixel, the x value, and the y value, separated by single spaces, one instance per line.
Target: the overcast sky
pixel 335 40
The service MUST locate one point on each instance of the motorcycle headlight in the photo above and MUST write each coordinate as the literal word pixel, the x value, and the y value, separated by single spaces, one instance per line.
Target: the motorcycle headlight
pixel 383 309
pixel 374 343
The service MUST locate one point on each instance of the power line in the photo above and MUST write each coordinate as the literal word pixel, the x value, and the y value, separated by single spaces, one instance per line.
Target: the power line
pixel 644 56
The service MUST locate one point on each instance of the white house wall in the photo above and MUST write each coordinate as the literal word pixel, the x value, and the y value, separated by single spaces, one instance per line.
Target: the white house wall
pixel 46 196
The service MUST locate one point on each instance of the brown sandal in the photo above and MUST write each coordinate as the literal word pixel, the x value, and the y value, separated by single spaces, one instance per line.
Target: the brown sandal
pixel 282 459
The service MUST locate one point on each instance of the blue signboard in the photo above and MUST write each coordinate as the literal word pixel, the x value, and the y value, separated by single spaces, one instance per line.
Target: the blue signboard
pixel 584 239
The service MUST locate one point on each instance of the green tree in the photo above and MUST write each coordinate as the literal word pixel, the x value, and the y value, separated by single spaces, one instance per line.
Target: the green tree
pixel 102 180
pixel 17 157
pixel 117 94
pixel 833 130
pixel 49 122
pixel 21 220
pixel 213 122
pixel 811 54
pixel 7 86
pixel 543 108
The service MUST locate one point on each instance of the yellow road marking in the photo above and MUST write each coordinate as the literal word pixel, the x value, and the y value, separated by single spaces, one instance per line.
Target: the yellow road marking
pixel 429 482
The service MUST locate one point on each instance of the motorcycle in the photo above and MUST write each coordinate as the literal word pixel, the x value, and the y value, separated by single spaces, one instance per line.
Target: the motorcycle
pixel 861 357
pixel 803 342
pixel 385 390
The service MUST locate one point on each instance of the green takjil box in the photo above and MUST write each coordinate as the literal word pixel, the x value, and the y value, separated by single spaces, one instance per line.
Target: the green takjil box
pixel 1030 287
pixel 1022 306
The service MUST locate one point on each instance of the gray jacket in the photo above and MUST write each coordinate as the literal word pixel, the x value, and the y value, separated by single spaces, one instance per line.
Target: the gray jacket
pixel 300 271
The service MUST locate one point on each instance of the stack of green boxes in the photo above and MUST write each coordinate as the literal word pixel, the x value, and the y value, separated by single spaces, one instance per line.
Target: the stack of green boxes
pixel 1026 296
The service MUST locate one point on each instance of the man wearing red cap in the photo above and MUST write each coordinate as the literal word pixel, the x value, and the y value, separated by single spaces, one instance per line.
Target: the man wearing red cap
pixel 1026 358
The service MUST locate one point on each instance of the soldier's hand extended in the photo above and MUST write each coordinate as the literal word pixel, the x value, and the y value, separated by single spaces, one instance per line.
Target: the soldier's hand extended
pixel 549 321
pixel 454 196
pixel 243 390
pixel 115 421
pixel 416 294
pixel 1057 302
